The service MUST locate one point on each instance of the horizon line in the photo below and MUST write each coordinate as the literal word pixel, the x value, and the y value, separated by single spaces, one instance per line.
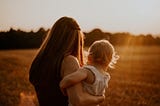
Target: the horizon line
pixel 87 31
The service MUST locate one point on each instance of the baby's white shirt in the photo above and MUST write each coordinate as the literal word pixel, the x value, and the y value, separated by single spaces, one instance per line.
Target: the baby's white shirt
pixel 99 84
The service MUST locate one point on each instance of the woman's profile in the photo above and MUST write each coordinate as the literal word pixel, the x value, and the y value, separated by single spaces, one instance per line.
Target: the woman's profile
pixel 60 55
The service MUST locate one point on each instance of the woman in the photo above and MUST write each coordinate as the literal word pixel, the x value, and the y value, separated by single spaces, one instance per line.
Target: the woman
pixel 60 55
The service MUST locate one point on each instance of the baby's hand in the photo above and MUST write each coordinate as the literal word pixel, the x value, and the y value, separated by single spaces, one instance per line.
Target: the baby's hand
pixel 63 90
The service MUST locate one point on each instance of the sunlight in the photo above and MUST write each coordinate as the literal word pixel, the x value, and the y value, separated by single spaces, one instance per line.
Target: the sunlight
pixel 27 99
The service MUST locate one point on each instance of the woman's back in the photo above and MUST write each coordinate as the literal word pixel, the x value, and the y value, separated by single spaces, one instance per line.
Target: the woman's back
pixel 50 95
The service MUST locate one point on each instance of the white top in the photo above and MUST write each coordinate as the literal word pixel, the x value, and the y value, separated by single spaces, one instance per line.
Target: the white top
pixel 100 83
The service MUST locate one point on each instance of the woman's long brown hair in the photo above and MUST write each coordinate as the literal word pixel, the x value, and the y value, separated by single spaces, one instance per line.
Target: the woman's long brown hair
pixel 65 38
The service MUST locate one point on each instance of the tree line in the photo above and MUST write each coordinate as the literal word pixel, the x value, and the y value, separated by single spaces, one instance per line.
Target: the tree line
pixel 17 39
pixel 121 38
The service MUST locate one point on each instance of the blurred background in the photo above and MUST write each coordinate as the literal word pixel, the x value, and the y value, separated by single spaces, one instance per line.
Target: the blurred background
pixel 132 26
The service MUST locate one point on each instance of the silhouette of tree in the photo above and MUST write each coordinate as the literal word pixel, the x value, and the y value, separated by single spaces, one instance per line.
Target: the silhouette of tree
pixel 20 40
pixel 17 39
pixel 94 35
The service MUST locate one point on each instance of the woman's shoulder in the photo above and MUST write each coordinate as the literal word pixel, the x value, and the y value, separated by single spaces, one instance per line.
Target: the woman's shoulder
pixel 69 64
pixel 70 59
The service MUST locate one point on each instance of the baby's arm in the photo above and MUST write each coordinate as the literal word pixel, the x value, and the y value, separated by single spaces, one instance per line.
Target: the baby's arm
pixel 73 78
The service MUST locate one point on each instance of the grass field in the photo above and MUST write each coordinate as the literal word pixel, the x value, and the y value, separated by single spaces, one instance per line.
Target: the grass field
pixel 135 81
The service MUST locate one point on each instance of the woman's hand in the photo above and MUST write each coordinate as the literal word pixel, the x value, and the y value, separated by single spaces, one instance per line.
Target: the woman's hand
pixel 78 97
pixel 63 90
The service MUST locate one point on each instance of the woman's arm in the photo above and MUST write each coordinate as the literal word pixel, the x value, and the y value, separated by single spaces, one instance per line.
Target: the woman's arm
pixel 78 97
pixel 75 93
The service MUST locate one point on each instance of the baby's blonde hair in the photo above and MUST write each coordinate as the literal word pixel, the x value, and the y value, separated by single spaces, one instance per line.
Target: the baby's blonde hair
pixel 102 52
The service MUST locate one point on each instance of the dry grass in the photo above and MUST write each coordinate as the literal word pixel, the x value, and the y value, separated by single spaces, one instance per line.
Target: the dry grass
pixel 14 65
pixel 134 81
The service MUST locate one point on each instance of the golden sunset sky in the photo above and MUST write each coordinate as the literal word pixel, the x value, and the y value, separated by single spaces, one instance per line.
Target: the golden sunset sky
pixel 134 16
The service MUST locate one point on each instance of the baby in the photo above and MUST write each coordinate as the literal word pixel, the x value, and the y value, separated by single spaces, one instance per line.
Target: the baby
pixel 93 76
